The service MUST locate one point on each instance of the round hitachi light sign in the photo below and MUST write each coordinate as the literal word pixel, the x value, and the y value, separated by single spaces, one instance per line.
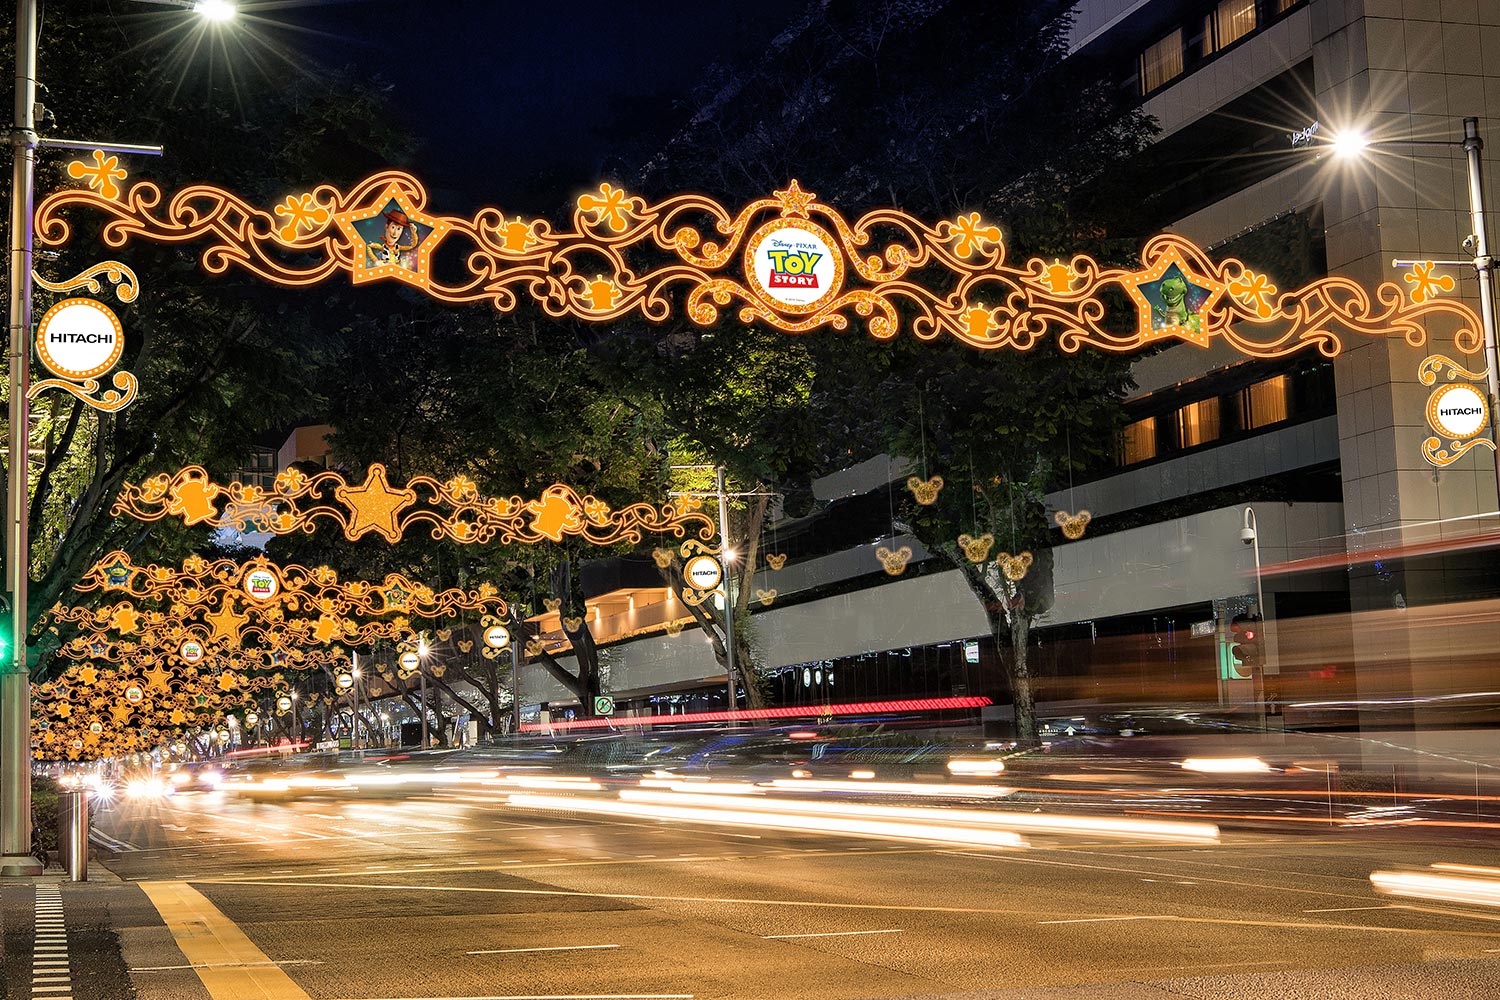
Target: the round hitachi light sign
pixel 703 573
pixel 794 263
pixel 79 339
pixel 1458 411
pixel 497 637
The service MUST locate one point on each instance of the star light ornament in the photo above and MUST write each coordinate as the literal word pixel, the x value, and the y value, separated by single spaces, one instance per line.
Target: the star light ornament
pixel 1174 300
pixel 409 257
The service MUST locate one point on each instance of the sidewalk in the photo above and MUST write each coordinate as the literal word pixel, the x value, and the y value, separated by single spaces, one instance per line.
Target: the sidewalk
pixel 107 934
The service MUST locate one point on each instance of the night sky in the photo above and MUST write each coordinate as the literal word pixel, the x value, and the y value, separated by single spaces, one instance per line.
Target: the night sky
pixel 516 101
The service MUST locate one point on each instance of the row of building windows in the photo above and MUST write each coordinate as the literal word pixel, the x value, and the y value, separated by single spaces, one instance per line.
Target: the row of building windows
pixel 1261 404
pixel 1224 24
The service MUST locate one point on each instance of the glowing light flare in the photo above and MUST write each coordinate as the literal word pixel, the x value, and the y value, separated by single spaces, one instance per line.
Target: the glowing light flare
pixel 705 787
pixel 1139 829
pixel 971 837
pixel 895 788
pixel 983 768
pixel 1447 888
pixel 1227 765
pixel 778 712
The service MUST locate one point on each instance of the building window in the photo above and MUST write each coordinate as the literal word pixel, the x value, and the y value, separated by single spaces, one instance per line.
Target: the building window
pixel 1265 402
pixel 1282 6
pixel 1162 62
pixel 1198 423
pixel 1138 441
pixel 1227 23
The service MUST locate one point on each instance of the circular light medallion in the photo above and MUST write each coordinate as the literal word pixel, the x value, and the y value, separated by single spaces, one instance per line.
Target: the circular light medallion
pixel 192 651
pixel 1458 411
pixel 410 660
pixel 283 704
pixel 497 637
pixel 261 584
pixel 79 339
pixel 703 573
pixel 794 264
pixel 96 727
pixel 134 694
pixel 251 718
pixel 346 680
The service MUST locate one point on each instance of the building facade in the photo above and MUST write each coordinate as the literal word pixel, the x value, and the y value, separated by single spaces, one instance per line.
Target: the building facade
pixel 1325 453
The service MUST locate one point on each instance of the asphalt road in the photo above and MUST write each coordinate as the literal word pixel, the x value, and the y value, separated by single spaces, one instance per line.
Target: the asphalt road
pixel 462 896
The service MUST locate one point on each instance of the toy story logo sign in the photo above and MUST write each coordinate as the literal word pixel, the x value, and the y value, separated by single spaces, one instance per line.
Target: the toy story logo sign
pixel 793 263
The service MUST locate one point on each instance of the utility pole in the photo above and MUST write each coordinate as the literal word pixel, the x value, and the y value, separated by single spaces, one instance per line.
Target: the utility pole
pixel 15 678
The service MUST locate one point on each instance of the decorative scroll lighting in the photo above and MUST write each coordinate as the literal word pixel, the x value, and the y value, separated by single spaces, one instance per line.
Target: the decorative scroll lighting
pixel 788 261
pixel 452 509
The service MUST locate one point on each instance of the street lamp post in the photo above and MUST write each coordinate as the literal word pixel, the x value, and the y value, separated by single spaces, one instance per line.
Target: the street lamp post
pixel 1353 144
pixel 422 673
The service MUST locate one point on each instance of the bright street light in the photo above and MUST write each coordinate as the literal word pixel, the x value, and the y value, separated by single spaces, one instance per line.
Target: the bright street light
pixel 1347 145
pixel 217 11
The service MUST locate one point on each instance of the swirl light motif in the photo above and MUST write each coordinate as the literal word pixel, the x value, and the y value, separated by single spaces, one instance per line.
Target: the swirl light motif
pixel 451 509
pixel 221 605
pixel 620 256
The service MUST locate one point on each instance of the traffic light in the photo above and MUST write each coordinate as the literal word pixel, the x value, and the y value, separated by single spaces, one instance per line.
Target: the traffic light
pixel 1249 646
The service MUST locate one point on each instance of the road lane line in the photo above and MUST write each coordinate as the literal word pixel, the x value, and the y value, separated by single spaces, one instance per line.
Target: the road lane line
pixel 779 937
pixel 1103 920
pixel 566 947
pixel 230 966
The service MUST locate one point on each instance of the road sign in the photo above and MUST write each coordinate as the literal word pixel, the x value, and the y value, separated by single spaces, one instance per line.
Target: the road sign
pixel 604 705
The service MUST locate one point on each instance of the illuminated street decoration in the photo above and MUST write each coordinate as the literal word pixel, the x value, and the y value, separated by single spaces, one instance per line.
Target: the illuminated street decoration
pixel 1072 525
pixel 925 490
pixel 1015 566
pixel 893 561
pixel 89 713
pixel 452 509
pixel 776 560
pixel 252 616
pixel 1457 411
pixel 788 261
pixel 78 339
pixel 976 549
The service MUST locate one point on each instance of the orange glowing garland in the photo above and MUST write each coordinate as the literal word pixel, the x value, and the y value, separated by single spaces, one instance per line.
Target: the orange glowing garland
pixel 621 256
pixel 453 509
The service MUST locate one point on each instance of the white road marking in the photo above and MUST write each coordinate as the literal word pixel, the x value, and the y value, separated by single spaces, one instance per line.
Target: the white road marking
pixel 567 947
pixel 775 937
pixel 1101 920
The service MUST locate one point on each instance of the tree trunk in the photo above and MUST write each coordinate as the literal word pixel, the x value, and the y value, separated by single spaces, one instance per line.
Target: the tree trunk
pixel 1020 676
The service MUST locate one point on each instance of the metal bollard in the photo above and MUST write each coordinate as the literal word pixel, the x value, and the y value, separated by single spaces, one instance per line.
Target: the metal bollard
pixel 74 836
pixel 64 811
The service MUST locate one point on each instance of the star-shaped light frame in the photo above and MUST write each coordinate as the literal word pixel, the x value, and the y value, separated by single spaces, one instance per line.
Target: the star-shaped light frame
pixel 1135 282
pixel 361 270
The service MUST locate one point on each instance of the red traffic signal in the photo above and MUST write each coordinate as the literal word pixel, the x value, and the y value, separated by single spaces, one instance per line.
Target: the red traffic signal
pixel 1249 649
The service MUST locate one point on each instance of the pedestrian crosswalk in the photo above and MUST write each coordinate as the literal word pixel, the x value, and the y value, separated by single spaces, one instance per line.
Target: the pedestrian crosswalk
pixel 50 976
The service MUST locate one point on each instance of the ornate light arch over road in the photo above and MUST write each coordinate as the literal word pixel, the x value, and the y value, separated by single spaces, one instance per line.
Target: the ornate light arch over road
pixel 788 261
